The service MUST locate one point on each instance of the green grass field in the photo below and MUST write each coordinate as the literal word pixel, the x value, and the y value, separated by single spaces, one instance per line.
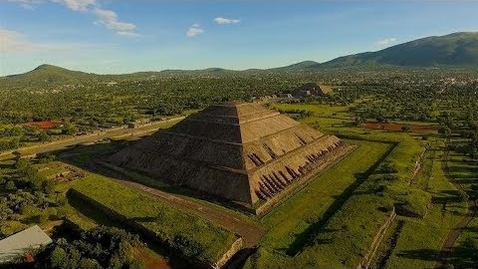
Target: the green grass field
pixel 330 223
pixel 318 110
pixel 147 180
pixel 290 223
pixel 196 237
pixel 465 172
pixel 421 239
pixel 344 238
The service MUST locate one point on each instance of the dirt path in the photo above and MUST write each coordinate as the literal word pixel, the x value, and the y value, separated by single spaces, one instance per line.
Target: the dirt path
pixel 250 232
pixel 444 255
pixel 418 165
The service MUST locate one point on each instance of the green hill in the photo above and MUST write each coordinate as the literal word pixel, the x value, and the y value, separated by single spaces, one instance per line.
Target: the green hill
pixel 50 74
pixel 458 49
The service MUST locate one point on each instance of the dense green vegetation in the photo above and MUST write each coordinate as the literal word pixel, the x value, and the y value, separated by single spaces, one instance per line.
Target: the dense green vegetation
pixel 100 247
pixel 464 170
pixel 413 242
pixel 330 223
pixel 194 237
pixel 25 197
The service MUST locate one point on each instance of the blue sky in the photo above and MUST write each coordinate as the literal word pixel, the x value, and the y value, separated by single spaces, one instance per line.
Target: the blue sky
pixel 128 36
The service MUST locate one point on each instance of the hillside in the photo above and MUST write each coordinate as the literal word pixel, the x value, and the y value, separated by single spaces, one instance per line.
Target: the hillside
pixel 51 74
pixel 457 49
pixel 300 66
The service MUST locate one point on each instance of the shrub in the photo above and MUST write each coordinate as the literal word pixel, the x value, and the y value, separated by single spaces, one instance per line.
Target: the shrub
pixel 386 167
pixel 409 202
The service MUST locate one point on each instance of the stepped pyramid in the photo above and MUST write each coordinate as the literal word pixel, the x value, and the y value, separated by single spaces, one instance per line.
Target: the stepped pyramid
pixel 242 152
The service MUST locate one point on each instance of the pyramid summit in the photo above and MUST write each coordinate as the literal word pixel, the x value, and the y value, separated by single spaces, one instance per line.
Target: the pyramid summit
pixel 241 152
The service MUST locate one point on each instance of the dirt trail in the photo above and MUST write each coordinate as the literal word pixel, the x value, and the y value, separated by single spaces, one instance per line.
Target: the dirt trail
pixel 444 255
pixel 418 165
pixel 250 232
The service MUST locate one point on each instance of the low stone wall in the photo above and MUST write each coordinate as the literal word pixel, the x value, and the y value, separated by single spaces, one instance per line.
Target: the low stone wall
pixel 235 247
pixel 377 239
pixel 301 183
pixel 138 228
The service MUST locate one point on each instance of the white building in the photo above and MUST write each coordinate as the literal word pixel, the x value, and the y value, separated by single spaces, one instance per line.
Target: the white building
pixel 22 242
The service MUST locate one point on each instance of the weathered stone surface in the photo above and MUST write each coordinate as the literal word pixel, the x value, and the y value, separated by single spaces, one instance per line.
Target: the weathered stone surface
pixel 239 151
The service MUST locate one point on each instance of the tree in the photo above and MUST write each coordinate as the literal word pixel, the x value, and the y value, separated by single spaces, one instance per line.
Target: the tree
pixel 69 129
pixel 43 136
pixel 22 164
pixel 58 258
pixel 405 128
pixel 381 119
pixel 115 262
pixel 48 186
pixel 444 130
pixel 86 263
pixel 10 186
pixel 358 121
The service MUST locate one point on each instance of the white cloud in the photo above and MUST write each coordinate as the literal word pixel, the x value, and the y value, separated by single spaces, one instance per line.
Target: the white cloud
pixel 11 41
pixel 194 30
pixel 105 17
pixel 27 6
pixel 77 5
pixel 110 20
pixel 28 1
pixel 128 34
pixel 221 20
pixel 386 41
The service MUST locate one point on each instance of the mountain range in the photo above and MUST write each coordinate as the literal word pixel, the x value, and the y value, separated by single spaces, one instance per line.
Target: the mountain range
pixel 453 50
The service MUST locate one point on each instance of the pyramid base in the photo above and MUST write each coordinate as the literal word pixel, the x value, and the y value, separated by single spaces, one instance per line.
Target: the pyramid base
pixel 260 208
pixel 263 207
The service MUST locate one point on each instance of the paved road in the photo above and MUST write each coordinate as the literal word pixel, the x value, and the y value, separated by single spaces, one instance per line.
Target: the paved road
pixel 447 247
pixel 67 142
pixel 250 232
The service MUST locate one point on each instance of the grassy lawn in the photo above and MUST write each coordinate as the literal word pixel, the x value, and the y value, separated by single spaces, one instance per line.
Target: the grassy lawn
pixel 421 239
pixel 330 223
pixel 196 237
pixel 465 251
pixel 51 169
pixel 292 220
pixel 150 181
pixel 318 110
pixel 343 240
pixel 465 172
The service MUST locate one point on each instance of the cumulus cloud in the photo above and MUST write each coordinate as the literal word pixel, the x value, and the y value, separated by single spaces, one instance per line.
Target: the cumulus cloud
pixel 110 20
pixel 105 17
pixel 194 30
pixel 386 41
pixel 77 5
pixel 220 20
pixel 28 1
pixel 11 41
